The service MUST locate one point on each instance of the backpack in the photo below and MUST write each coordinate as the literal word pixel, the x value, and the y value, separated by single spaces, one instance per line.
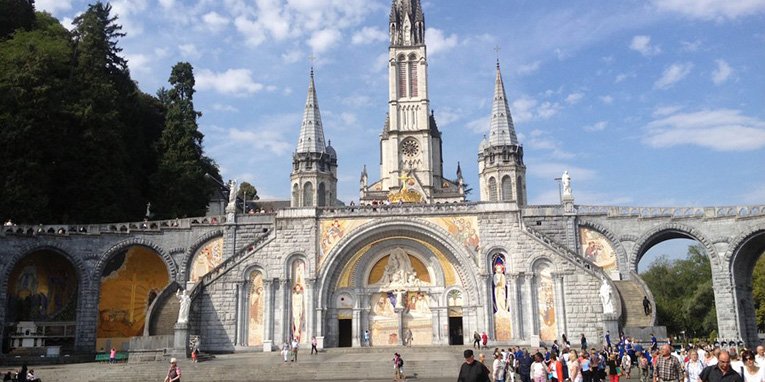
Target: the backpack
pixel 400 362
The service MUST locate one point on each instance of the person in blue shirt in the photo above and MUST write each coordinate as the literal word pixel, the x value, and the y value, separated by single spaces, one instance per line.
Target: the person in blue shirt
pixel 654 342
pixel 608 340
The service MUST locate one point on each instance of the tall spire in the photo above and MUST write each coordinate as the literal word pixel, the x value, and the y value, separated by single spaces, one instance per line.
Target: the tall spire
pixel 502 128
pixel 311 138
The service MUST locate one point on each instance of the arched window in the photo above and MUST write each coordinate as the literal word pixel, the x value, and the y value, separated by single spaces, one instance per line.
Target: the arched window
pixel 401 77
pixel 507 188
pixel 322 197
pixel 295 195
pixel 308 195
pixel 492 189
pixel 413 76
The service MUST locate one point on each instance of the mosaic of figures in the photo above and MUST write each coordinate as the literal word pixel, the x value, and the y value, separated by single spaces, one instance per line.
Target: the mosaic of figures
pixel 334 230
pixel 42 287
pixel 548 328
pixel 298 301
pixel 398 270
pixel 502 318
pixel 597 248
pixel 417 318
pixel 464 229
pixel 206 258
pixel 256 310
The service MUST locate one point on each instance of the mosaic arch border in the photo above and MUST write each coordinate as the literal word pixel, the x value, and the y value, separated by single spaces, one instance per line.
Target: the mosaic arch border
pixel 623 264
pixel 687 230
pixel 172 267
pixel 353 241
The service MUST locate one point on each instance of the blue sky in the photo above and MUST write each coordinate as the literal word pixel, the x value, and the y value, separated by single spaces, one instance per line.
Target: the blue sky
pixel 656 103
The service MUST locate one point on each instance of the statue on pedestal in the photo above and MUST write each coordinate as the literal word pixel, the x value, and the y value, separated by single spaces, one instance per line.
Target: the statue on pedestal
pixel 607 296
pixel 566 182
pixel 232 191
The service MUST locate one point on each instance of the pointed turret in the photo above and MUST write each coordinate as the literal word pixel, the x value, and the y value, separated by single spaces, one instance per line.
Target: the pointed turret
pixel 502 174
pixel 311 132
pixel 502 131
pixel 314 163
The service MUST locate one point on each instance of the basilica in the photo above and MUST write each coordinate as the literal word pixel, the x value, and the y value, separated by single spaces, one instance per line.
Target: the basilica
pixel 413 262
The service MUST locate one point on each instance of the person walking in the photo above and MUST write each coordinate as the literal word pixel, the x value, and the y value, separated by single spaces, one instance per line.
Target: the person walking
pixel 366 338
pixel 539 370
pixel 667 368
pixel 584 362
pixel 174 373
pixel 626 365
pixel 752 372
pixel 721 372
pixel 574 367
pixel 472 371
pixel 498 368
pixel 646 306
pixel 485 340
pixel 113 355
pixel 314 349
pixel 556 368
pixel 398 367
pixel 476 340
pixel 643 367
pixel 285 351
pixel 693 367
pixel 583 342
pixel 613 368
pixel 524 366
pixel 295 346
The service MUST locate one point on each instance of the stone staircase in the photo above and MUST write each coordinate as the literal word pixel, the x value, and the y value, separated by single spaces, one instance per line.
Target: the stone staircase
pixel 365 364
pixel 631 294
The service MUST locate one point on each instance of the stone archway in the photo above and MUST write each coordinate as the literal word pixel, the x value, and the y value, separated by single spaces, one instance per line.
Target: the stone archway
pixel 43 289
pixel 129 280
pixel 357 263
pixel 746 251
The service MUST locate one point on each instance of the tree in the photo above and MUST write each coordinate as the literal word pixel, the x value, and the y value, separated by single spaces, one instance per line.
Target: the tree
pixel 247 190
pixel 16 14
pixel 683 293
pixel 180 183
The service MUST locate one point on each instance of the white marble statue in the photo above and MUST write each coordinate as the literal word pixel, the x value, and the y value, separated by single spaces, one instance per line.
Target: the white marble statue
pixel 232 191
pixel 399 272
pixel 607 296
pixel 566 181
pixel 185 300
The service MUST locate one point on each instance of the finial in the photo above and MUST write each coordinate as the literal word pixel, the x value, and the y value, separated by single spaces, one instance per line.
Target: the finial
pixel 329 142
pixel 312 58
pixel 497 49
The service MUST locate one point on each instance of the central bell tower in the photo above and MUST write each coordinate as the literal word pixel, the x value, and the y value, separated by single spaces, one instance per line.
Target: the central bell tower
pixel 411 160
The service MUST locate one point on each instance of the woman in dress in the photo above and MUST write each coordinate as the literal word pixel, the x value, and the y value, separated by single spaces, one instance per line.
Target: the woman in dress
pixel 538 369
pixel 626 364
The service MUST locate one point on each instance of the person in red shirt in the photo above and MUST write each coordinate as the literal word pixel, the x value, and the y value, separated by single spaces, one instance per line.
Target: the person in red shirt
pixel 485 340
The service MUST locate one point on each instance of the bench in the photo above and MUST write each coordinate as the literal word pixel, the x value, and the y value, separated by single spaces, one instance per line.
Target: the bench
pixel 104 357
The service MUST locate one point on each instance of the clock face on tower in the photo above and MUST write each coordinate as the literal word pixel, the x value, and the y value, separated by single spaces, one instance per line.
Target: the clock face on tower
pixel 410 147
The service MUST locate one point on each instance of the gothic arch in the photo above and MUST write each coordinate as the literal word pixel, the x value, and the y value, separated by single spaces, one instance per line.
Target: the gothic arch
pixel 668 231
pixel 192 250
pixel 172 268
pixel 536 260
pixel 380 228
pixel 489 256
pixel 360 275
pixel 250 269
pixel 83 277
pixel 623 264
pixel 294 256
pixel 744 253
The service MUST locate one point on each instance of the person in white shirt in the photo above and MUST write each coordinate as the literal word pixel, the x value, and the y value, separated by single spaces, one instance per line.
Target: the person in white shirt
pixel 759 358
pixel 711 358
pixel 752 371
pixel 735 363
pixel 693 367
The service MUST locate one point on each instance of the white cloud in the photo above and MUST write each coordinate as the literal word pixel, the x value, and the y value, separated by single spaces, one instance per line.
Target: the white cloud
pixel 253 32
pixel 672 74
pixel 438 41
pixel 548 110
pixel 597 126
pixel 368 35
pixel 574 98
pixel 541 140
pixel 269 139
pixel 224 107
pixel 292 56
pixel 167 4
pixel 323 40
pixel 552 170
pixel 722 73
pixel 527 69
pixel 53 6
pixel 691 46
pixel 232 81
pixel 719 130
pixel 717 10
pixel 662 111
pixel 522 109
pixel 607 99
pixel 623 76
pixel 643 45
pixel 138 62
pixel 189 50
pixel 480 125
pixel 215 22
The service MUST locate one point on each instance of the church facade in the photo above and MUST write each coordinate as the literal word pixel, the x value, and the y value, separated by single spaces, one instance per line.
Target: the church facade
pixel 412 263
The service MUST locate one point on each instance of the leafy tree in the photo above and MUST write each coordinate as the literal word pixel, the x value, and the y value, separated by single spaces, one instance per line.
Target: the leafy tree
pixel 758 292
pixel 35 119
pixel 15 14
pixel 248 190
pixel 182 189
pixel 683 293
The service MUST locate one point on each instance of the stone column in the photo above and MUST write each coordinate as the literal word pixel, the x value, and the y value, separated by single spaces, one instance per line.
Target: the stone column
pixel 309 310
pixel 268 287
pixel 400 314
pixel 241 320
pixel 725 303
pixel 560 303
pixel 356 327
pixel 281 309
pixel 513 303
pixel 528 304
pixel 488 306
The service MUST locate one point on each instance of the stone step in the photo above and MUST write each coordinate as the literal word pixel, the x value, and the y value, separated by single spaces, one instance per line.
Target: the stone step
pixel 631 294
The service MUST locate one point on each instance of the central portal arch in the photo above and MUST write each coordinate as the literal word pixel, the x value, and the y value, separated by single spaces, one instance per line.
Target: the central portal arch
pixel 387 282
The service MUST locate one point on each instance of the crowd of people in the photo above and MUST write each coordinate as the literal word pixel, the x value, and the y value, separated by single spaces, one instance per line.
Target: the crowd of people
pixel 625 358
pixel 21 375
